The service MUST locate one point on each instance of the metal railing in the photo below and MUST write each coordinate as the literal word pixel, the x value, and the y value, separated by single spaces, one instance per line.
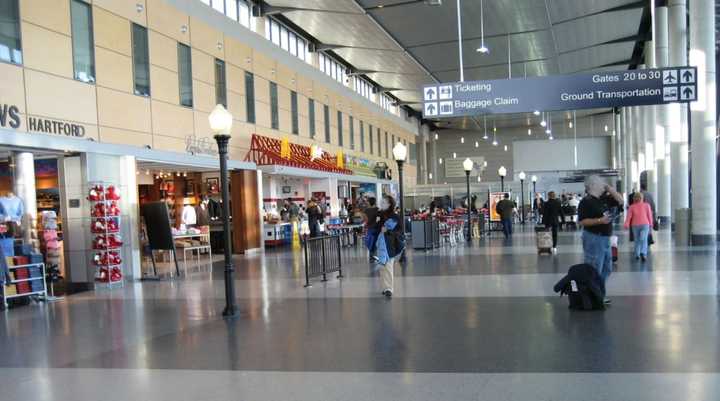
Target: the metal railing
pixel 322 256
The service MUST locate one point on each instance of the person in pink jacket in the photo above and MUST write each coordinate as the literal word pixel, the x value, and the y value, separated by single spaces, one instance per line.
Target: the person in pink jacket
pixel 639 219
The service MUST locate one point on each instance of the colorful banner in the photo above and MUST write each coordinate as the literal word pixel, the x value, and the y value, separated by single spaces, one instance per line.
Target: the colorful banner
pixel 495 197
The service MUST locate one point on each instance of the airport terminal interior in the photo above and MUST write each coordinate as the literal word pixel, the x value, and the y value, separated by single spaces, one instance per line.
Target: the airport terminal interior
pixel 359 200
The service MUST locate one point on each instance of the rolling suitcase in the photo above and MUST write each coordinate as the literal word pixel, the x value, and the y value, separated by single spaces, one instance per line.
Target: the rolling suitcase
pixel 543 238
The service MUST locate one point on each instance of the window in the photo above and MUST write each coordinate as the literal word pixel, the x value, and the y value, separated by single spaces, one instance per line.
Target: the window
pixel 82 41
pixel 387 153
pixel 274 113
pixel 326 115
pixel 392 144
pixel 220 83
pixel 244 14
pixel 250 97
pixel 274 32
pixel 293 44
pixel 141 60
pixel 413 152
pixel 340 127
pixel 362 137
pixel 219 5
pixel 10 50
pixel 311 117
pixel 294 112
pixel 284 38
pixel 185 75
pixel 288 40
pixel 351 124
pixel 371 136
pixel 379 143
pixel 231 9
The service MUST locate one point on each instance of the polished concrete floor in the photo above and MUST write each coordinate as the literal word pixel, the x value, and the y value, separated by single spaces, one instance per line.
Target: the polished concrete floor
pixel 471 322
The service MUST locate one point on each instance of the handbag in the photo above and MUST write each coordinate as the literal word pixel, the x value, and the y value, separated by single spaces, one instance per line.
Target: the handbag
pixel 656 225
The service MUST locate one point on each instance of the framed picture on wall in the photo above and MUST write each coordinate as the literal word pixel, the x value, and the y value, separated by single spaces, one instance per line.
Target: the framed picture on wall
pixel 286 189
pixel 213 185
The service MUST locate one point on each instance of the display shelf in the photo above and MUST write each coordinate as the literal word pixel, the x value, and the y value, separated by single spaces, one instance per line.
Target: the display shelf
pixel 105 194
pixel 42 292
pixel 22 280
pixel 27 294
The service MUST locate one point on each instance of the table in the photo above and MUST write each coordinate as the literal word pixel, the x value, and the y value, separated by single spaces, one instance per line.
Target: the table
pixel 204 246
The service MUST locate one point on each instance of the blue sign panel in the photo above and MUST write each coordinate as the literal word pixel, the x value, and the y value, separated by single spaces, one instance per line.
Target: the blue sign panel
pixel 561 92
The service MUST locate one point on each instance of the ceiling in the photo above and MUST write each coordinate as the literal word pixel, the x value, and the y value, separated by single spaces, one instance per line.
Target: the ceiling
pixel 403 44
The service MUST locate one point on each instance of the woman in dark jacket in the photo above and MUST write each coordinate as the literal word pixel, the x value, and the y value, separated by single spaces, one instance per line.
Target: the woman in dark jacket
pixel 552 216
pixel 315 217
pixel 390 243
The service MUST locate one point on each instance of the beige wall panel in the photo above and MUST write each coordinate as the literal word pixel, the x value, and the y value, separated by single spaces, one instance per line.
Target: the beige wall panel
pixel 206 38
pixel 203 96
pixel 236 105
pixel 302 105
pixel 304 127
pixel 126 8
pixel 51 14
pixel 165 85
pixel 262 90
pixel 305 85
pixel 61 98
pixel 241 134
pixel 111 31
pixel 202 126
pixel 123 110
pixel 239 152
pixel 12 86
pixel 235 77
pixel 167 19
pixel 171 120
pixel 113 70
pixel 285 122
pixel 47 51
pixel 119 136
pixel 169 144
pixel 262 115
pixel 286 77
pixel 237 53
pixel 283 98
pixel 203 67
pixel 163 51
pixel 263 66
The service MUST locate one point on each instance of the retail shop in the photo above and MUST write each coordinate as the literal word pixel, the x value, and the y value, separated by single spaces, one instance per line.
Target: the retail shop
pixel 293 175
pixel 74 206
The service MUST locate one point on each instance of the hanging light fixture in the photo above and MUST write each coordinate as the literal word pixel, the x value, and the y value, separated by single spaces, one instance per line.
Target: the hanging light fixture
pixel 506 148
pixel 529 131
pixel 482 49
pixel 536 112
pixel 485 136
pixel 454 155
pixel 543 123
pixel 606 128
pixel 440 160
pixel 570 124
pixel 147 172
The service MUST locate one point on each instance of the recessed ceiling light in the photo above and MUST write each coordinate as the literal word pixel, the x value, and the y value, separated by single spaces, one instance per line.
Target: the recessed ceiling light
pixel 454 155
pixel 606 128
pixel 462 139
pixel 547 131
pixel 551 138
pixel 529 131
pixel 495 143
pixel 477 144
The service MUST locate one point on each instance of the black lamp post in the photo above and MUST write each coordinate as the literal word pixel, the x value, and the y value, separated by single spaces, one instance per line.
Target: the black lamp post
pixel 535 211
pixel 400 155
pixel 502 172
pixel 468 166
pixel 522 176
pixel 221 122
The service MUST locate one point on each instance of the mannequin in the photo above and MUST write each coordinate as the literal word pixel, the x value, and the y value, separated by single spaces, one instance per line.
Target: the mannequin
pixel 12 208
pixel 203 212
pixel 189 217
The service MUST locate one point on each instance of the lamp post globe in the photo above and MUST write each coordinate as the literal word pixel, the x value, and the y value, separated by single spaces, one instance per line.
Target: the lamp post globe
pixel 468 166
pixel 522 176
pixel 220 123
pixel 502 172
pixel 400 154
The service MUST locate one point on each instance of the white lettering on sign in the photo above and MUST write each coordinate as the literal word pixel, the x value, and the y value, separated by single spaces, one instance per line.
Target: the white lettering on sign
pixel 475 87
pixel 605 78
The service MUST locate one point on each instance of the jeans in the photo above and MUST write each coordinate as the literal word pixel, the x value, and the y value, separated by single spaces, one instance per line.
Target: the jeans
pixel 598 254
pixel 507 227
pixel 641 232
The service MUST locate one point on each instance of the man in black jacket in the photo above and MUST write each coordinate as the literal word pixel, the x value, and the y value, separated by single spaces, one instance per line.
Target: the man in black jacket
pixel 552 216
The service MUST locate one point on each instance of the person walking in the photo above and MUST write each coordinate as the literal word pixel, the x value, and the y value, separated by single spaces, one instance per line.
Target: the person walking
pixel 595 215
pixel 505 209
pixel 371 214
pixel 315 218
pixel 552 216
pixel 538 204
pixel 389 244
pixel 640 219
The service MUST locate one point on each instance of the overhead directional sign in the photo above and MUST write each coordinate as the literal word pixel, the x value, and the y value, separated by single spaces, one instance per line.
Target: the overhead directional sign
pixel 561 92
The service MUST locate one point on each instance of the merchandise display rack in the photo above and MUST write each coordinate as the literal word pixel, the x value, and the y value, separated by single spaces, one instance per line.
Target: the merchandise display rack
pixel 15 281
pixel 106 244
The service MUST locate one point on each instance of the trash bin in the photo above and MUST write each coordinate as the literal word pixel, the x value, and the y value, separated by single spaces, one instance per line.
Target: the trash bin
pixel 682 226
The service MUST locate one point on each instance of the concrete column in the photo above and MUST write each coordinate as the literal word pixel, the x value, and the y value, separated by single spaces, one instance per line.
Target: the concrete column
pixel 627 157
pixel 614 141
pixel 662 153
pixel 677 116
pixel 703 129
pixel 634 148
pixel 25 189
pixel 649 126
pixel 433 158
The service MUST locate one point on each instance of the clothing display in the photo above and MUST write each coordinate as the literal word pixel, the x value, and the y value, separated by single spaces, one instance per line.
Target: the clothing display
pixel 203 214
pixel 189 217
pixel 12 208
pixel 105 214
